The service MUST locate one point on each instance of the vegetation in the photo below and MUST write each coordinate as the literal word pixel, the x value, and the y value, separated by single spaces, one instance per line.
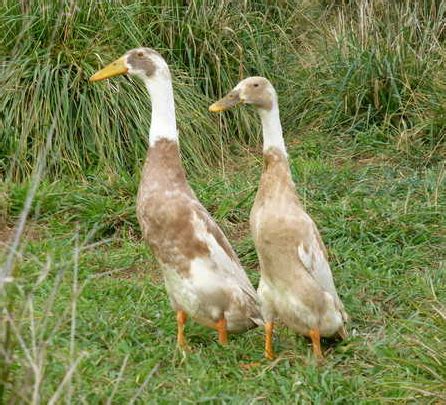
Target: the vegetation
pixel 362 91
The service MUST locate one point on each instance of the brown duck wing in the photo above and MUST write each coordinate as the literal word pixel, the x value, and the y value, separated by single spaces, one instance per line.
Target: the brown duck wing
pixel 229 262
pixel 313 255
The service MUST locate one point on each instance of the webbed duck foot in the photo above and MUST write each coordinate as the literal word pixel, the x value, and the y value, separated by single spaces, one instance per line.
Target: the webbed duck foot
pixel 184 348
pixel 270 355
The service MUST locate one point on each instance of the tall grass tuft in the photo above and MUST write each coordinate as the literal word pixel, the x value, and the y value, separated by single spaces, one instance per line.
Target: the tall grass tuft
pixel 340 67
pixel 373 72
pixel 50 50
pixel 388 60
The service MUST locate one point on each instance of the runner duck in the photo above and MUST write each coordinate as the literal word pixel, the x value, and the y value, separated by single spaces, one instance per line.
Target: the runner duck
pixel 296 283
pixel 203 276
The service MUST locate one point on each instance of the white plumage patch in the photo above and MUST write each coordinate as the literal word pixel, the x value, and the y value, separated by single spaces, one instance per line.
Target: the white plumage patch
pixel 218 255
pixel 181 292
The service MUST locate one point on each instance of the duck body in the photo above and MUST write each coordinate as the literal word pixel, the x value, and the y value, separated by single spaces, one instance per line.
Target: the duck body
pixel 202 273
pixel 296 284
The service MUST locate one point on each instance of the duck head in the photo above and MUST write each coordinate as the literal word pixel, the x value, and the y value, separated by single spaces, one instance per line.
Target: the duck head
pixel 255 90
pixel 145 63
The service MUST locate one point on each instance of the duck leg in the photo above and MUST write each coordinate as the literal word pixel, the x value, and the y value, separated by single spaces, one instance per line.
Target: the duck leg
pixel 316 340
pixel 181 320
pixel 222 331
pixel 269 352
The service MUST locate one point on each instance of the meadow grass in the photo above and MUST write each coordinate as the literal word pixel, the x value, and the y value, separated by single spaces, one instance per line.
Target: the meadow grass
pixel 86 318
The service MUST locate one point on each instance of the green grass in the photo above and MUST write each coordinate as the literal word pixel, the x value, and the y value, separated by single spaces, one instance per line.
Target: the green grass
pixel 362 98
pixel 382 225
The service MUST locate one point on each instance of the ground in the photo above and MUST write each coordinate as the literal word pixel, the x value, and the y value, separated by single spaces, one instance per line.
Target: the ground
pixel 95 299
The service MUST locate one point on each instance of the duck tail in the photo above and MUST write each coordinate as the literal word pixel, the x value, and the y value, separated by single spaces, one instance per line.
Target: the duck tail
pixel 257 320
pixel 342 332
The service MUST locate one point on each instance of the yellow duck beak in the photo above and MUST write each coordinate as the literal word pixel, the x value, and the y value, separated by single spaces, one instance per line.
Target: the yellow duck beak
pixel 115 68
pixel 227 102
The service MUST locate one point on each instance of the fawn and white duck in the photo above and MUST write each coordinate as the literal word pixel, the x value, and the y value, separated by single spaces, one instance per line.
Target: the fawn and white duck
pixel 296 283
pixel 203 276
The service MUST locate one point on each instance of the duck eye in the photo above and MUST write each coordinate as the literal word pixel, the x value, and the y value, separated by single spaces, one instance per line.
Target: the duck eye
pixel 140 54
pixel 256 84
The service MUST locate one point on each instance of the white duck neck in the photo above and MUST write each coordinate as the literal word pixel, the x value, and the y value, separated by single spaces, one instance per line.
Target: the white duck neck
pixel 163 124
pixel 272 129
